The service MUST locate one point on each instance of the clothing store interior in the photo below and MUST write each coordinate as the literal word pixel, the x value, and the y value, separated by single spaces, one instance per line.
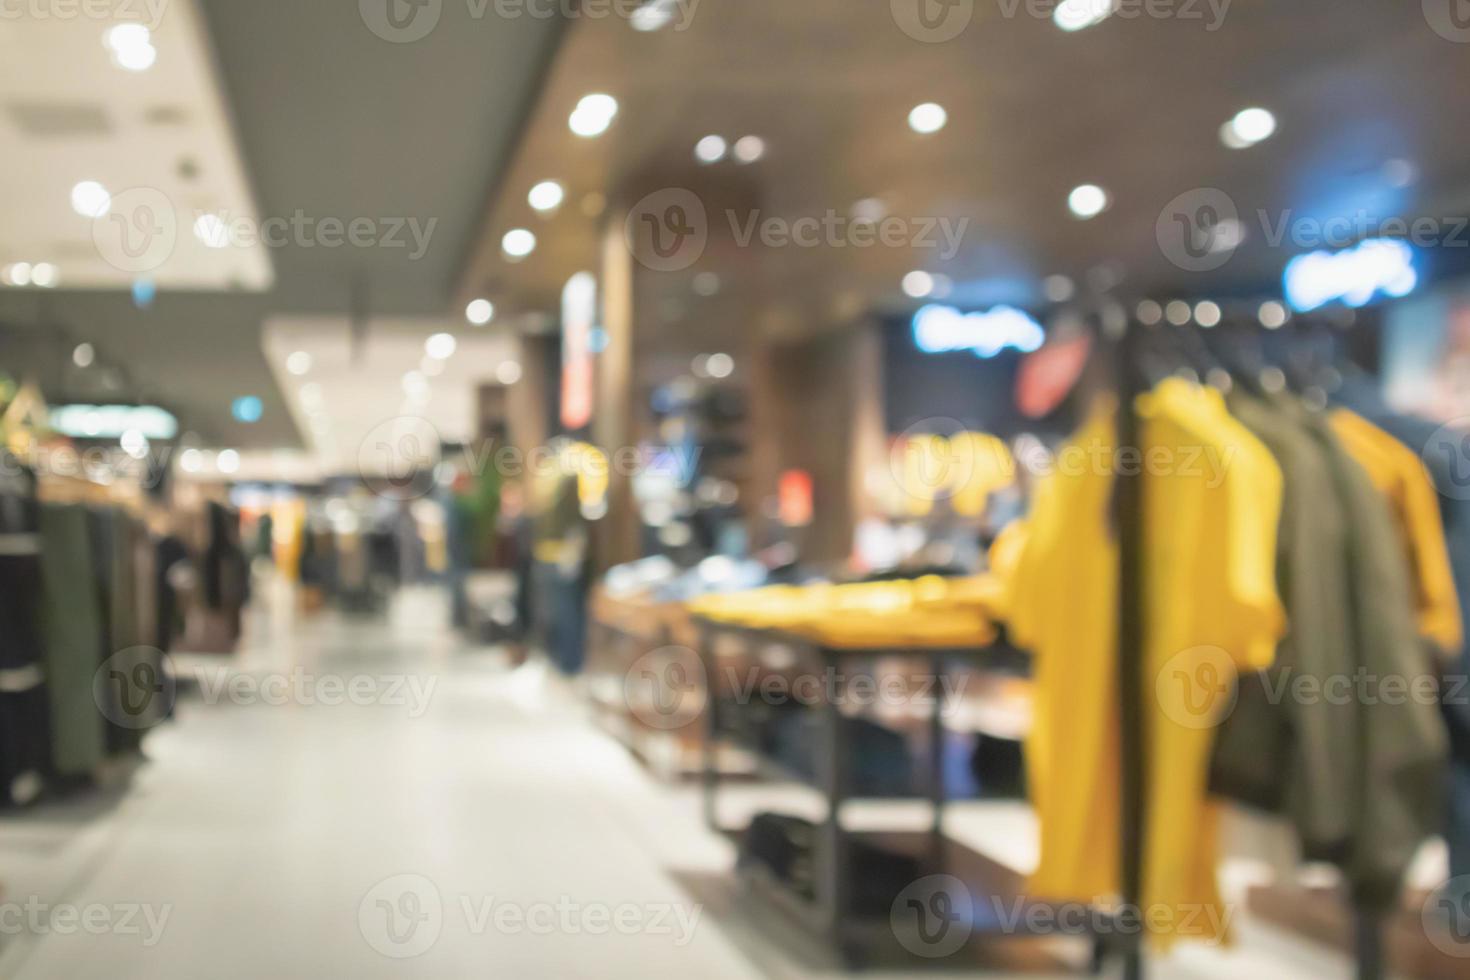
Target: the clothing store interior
pixel 735 490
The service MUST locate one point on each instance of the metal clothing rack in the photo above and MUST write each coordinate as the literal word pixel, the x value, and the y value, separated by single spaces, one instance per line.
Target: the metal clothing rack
pixel 1129 499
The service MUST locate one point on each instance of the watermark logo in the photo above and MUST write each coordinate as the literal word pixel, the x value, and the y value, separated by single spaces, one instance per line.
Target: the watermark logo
pixel 135 688
pixel 147 12
pixel 138 231
pixel 1448 453
pixel 37 918
pixel 1199 230
pixel 1197 687
pixel 668 230
pixel 402 917
pixel 666 688
pixel 929 461
pixel 398 457
pixel 1446 917
pixel 401 21
pixel 933 917
pixel 932 21
pixel 1450 19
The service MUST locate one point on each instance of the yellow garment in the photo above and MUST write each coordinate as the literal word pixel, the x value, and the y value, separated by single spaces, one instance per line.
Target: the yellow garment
pixel 929 612
pixel 1210 601
pixel 1401 476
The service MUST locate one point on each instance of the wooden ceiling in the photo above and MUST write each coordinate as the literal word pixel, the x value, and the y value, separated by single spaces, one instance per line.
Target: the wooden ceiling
pixel 1133 104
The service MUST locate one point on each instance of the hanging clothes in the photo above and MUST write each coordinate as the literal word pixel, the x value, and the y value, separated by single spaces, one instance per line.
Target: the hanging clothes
pixel 74 636
pixel 1210 591
pixel 1401 477
pixel 24 699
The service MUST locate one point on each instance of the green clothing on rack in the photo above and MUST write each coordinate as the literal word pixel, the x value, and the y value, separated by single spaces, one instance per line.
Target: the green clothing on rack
pixel 73 625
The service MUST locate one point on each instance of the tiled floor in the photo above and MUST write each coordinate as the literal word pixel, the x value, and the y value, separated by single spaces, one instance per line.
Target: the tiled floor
pixel 441 816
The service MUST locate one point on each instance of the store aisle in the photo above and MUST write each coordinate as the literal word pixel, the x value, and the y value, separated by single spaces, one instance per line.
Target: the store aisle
pixel 437 804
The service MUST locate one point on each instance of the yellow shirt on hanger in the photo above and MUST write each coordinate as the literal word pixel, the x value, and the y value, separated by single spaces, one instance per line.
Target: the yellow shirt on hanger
pixel 1212 499
pixel 1402 477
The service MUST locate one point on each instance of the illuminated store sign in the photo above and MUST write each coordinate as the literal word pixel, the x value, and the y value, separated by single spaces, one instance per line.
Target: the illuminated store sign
pixel 1354 276
pixel 111 421
pixel 939 329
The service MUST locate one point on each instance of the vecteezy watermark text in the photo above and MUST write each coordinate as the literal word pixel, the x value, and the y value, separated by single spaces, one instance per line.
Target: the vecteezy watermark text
pixel 406 21
pixel 37 918
pixel 147 12
pixel 403 916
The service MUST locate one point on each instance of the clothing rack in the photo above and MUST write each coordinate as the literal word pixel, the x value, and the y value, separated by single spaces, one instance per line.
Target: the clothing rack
pixel 1124 337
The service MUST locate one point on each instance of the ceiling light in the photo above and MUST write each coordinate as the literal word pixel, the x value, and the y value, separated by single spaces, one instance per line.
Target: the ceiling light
pixel 131 46
pixel 210 229
pixel 479 312
pixel 594 113
pixel 918 284
pixel 929 117
pixel 1059 289
pixel 720 365
pixel 90 199
pixel 711 149
pixel 134 443
pixel 1088 201
pixel 45 275
pixel 1207 314
pixel 311 395
pixel 546 196
pixel 1272 315
pixel 441 346
pixel 18 274
pixel 868 211
pixel 228 461
pixel 299 363
pixel 1076 15
pixel 653 15
pixel 247 409
pixel 1178 312
pixel 518 243
pixel 83 355
pixel 749 149
pixel 414 383
pixel 1150 313
pixel 508 372
pixel 1249 127
pixel 706 284
pixel 191 461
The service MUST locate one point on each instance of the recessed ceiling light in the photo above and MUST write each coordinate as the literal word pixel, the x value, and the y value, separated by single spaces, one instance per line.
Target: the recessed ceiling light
pixel 546 196
pixel 299 363
pixel 706 284
pixel 1272 315
pixel 593 115
pixel 479 312
pixel 749 149
pixel 83 355
pixel 1088 201
pixel 1150 313
pixel 1207 313
pixel 191 461
pixel 918 284
pixel 868 211
pixel 1059 288
pixel 90 199
pixel 518 243
pixel 1249 127
pixel 441 346
pixel 228 461
pixel 18 274
pixel 1076 15
pixel 720 365
pixel 45 275
pixel 653 15
pixel 131 46
pixel 711 149
pixel 210 229
pixel 508 372
pixel 1178 312
pixel 928 117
